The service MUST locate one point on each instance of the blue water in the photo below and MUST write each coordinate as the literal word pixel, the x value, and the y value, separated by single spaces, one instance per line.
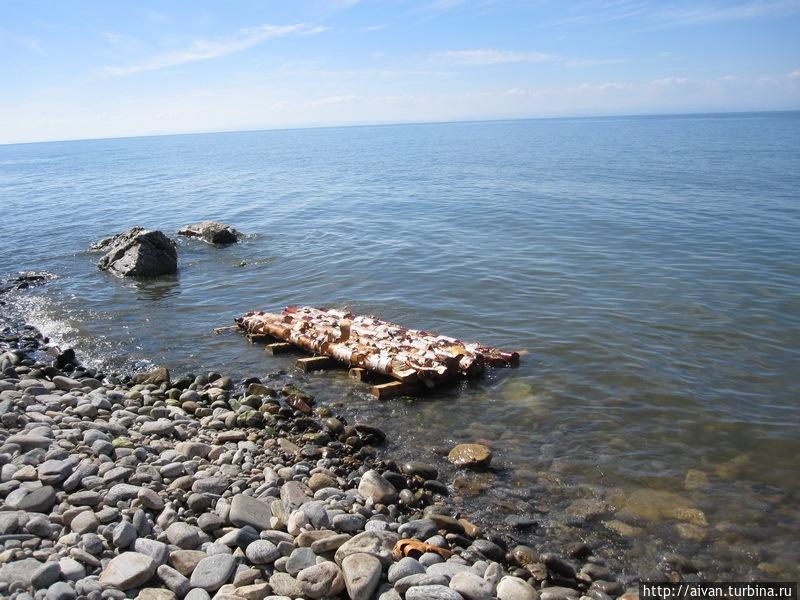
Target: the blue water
pixel 650 265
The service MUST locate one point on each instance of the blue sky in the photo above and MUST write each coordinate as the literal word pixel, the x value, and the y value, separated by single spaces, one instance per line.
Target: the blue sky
pixel 82 69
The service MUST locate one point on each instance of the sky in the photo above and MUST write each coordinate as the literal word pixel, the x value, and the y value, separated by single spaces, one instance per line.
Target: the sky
pixel 93 69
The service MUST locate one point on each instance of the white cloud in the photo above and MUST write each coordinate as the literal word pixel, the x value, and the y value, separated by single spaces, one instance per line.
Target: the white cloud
pixel 332 100
pixel 493 56
pixel 795 74
pixel 208 49
pixel 698 14
pixel 591 62
pixel 22 41
pixel 676 14
pixel 610 86
pixel 484 57
pixel 440 5
pixel 671 81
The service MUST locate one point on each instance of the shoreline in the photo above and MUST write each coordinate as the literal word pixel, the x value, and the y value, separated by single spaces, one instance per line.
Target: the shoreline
pixel 169 457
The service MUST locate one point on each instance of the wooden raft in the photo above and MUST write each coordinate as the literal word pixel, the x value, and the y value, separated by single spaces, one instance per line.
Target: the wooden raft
pixel 407 358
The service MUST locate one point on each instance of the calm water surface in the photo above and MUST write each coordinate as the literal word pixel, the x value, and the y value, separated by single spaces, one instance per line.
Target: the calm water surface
pixel 651 266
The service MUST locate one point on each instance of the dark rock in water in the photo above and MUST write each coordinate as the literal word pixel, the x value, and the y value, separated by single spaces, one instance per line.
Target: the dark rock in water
pixel 558 565
pixel 519 522
pixel 212 232
pixel 64 358
pixel 24 280
pixel 420 469
pixel 578 550
pixel 138 253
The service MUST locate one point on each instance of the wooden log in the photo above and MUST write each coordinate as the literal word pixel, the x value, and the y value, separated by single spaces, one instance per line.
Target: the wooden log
pixel 258 338
pixel 358 374
pixel 314 363
pixel 393 389
pixel 218 330
pixel 367 376
pixel 278 348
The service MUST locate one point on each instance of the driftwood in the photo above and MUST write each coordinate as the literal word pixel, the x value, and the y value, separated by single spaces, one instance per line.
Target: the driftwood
pixel 364 342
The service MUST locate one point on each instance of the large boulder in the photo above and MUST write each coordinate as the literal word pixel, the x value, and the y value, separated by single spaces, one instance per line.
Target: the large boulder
pixel 212 232
pixel 138 252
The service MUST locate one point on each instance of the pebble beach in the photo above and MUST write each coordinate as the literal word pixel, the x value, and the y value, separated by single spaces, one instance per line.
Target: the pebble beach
pixel 157 487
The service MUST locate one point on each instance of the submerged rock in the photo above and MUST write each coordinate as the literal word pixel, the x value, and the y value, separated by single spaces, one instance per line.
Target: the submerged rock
pixel 138 253
pixel 470 455
pixel 212 232
pixel 25 279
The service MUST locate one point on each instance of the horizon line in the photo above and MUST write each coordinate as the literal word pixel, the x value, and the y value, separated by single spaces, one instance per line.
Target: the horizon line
pixel 312 126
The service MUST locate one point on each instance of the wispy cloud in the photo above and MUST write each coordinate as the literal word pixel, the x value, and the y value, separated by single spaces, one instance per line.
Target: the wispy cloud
pixel 671 81
pixel 333 100
pixel 342 4
pixel 484 57
pixel 21 41
pixel 795 74
pixel 494 57
pixel 699 13
pixel 441 5
pixel 369 28
pixel 208 49
pixel 591 62
pixel 436 7
pixel 677 13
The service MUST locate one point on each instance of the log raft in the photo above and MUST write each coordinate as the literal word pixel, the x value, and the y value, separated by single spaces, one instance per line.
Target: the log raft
pixel 407 357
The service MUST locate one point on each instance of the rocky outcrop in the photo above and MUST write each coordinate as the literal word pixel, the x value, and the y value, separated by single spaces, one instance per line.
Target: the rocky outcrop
pixel 212 232
pixel 138 252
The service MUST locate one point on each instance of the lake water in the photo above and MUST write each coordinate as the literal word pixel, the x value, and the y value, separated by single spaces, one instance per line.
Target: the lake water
pixel 650 266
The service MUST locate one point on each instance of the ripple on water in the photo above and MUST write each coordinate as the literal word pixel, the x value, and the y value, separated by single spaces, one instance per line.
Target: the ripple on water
pixel 655 288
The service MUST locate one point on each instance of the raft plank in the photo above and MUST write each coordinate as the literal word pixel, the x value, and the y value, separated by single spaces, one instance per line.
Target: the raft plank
pixel 258 338
pixel 358 374
pixel 367 376
pixel 384 391
pixel 314 363
pixel 278 348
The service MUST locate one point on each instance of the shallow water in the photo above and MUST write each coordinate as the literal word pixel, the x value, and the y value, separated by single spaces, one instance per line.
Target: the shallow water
pixel 649 265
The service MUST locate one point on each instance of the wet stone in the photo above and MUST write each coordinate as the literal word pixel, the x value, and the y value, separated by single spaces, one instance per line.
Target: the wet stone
pixel 474 456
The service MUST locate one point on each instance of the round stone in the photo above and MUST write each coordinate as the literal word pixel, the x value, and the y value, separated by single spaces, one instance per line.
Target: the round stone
pixel 470 455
